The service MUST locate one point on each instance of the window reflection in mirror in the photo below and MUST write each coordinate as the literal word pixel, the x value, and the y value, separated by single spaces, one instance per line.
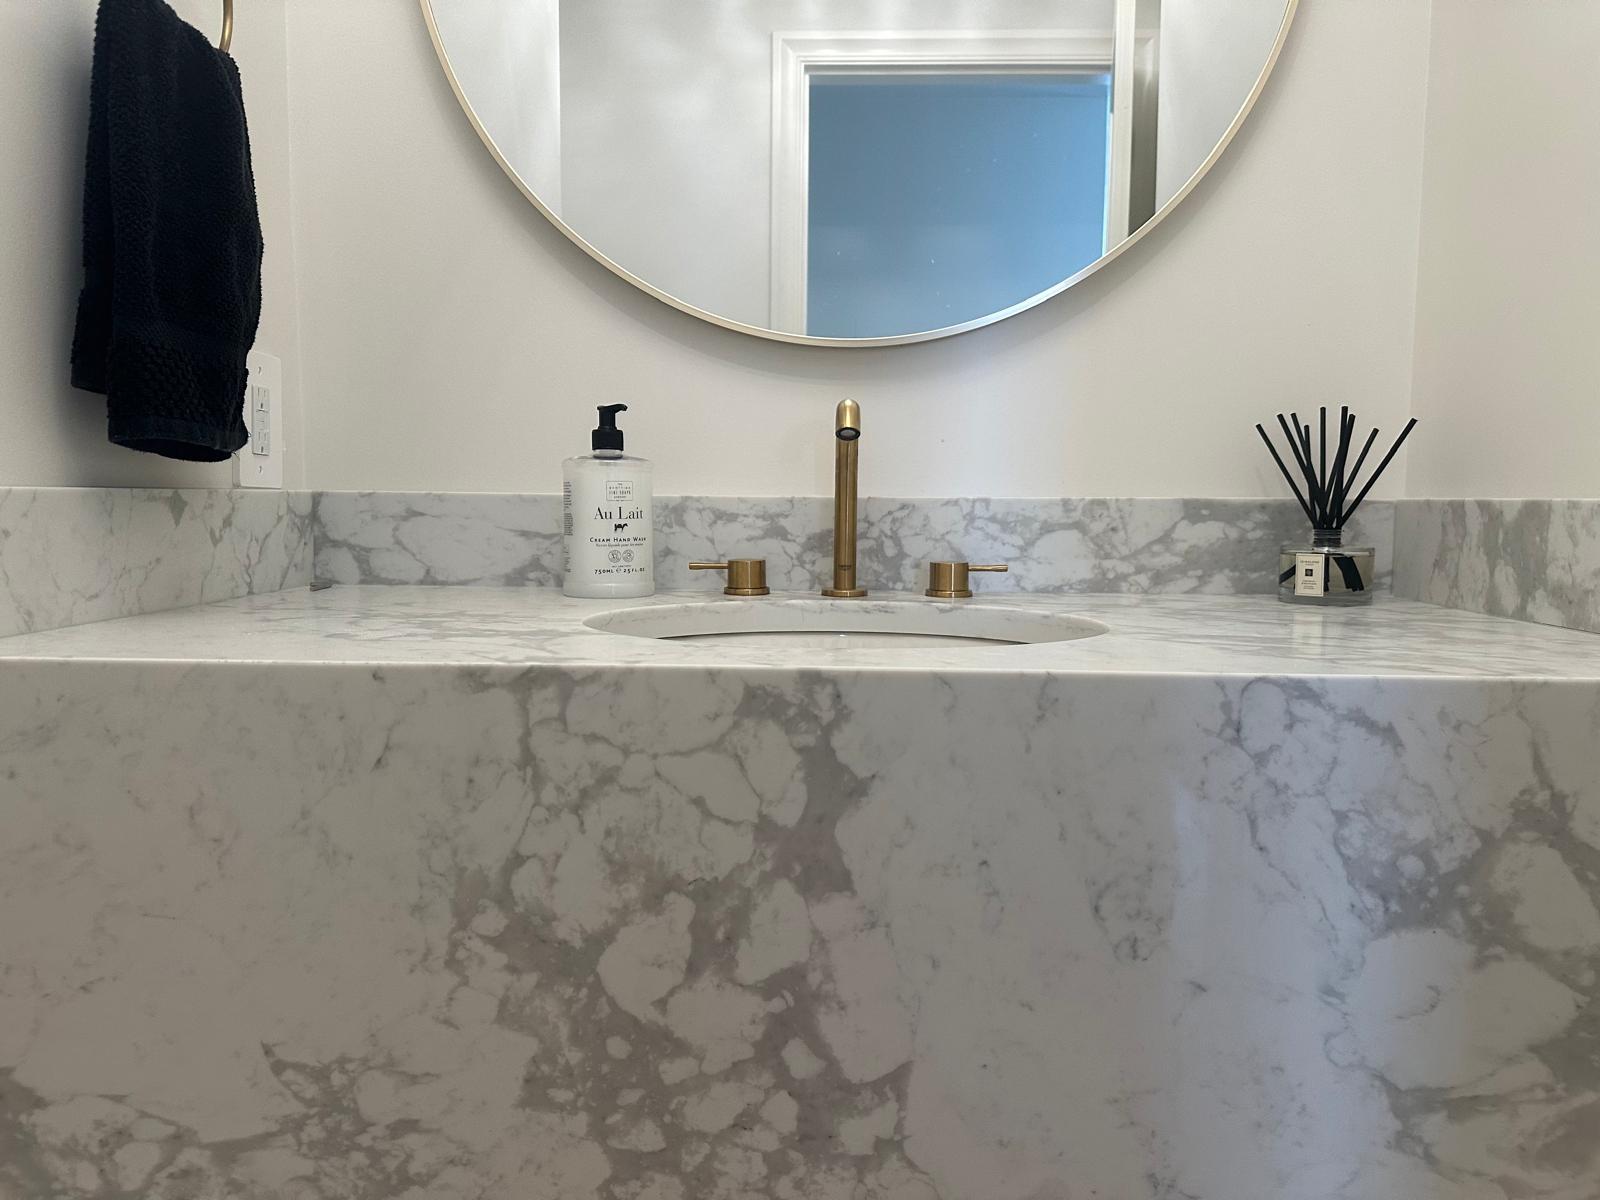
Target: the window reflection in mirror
pixel 936 199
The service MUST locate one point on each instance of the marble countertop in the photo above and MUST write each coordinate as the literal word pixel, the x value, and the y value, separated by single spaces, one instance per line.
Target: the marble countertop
pixel 517 627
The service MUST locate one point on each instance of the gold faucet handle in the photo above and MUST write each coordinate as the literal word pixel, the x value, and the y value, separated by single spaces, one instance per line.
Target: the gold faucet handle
pixel 746 576
pixel 948 580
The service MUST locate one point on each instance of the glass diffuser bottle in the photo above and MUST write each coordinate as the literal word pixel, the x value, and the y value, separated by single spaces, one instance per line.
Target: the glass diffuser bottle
pixel 1326 571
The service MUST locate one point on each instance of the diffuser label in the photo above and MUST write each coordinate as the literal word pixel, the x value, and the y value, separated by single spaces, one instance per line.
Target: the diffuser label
pixel 1310 574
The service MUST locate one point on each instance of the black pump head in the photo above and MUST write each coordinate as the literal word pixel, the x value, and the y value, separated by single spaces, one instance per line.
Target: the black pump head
pixel 608 436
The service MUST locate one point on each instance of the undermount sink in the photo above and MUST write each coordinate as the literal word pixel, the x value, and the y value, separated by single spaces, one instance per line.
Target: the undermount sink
pixel 815 623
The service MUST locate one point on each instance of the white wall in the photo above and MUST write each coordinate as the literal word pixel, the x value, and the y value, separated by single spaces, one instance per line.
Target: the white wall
pixel 1508 309
pixel 52 434
pixel 453 340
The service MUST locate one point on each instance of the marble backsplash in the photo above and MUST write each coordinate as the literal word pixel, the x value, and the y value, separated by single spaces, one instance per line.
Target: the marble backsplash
pixel 1534 560
pixel 74 555
pixel 1061 545
pixel 69 556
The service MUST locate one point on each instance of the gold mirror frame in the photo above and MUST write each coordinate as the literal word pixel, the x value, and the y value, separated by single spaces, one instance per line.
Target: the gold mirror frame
pixel 801 339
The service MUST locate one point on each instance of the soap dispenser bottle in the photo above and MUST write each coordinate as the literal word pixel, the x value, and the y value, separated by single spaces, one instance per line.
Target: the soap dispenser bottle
pixel 607 518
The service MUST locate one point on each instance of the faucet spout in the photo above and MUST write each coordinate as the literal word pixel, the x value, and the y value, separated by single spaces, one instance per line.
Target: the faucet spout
pixel 846 462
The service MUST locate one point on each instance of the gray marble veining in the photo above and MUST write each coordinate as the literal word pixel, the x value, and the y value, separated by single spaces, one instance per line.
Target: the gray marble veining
pixel 71 555
pixel 1534 560
pixel 437 538
pixel 1138 546
pixel 1071 545
pixel 436 894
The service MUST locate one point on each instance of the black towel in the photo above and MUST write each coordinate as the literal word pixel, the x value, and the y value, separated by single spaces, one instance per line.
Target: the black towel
pixel 171 237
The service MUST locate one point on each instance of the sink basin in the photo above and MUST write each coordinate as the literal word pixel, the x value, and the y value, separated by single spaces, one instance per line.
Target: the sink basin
pixel 819 624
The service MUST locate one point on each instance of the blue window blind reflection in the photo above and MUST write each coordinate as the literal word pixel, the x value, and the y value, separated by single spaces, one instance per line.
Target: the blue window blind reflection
pixel 939 199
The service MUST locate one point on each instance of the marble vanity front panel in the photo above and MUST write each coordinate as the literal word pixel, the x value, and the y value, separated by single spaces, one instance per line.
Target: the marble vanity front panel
pixel 1535 560
pixel 421 932
pixel 75 555
pixel 1072 545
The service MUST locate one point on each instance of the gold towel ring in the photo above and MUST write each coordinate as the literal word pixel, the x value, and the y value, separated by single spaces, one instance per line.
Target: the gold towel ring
pixel 227 26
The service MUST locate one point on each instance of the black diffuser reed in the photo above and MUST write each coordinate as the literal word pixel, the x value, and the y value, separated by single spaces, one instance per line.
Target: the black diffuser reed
pixel 1327 572
pixel 1326 499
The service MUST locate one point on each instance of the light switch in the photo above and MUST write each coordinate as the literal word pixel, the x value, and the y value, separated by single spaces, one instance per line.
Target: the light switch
pixel 262 467
pixel 261 433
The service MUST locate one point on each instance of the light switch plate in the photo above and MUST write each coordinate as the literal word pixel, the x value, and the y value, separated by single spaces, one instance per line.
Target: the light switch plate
pixel 260 463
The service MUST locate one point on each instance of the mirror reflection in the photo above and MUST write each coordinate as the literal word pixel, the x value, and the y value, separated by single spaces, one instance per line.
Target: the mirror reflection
pixel 840 169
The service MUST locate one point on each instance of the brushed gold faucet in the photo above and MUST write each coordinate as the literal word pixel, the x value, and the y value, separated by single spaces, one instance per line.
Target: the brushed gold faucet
pixel 846 460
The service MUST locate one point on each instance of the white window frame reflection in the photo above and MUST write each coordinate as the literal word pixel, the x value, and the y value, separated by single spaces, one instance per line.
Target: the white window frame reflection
pixel 796 57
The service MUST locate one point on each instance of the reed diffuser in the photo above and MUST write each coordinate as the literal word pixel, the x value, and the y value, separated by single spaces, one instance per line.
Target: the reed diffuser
pixel 1326 571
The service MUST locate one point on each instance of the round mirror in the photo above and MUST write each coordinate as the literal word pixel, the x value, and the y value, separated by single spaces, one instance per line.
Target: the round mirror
pixel 854 174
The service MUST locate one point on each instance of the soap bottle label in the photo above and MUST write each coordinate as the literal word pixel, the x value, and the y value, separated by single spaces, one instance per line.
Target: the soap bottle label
pixel 608 524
